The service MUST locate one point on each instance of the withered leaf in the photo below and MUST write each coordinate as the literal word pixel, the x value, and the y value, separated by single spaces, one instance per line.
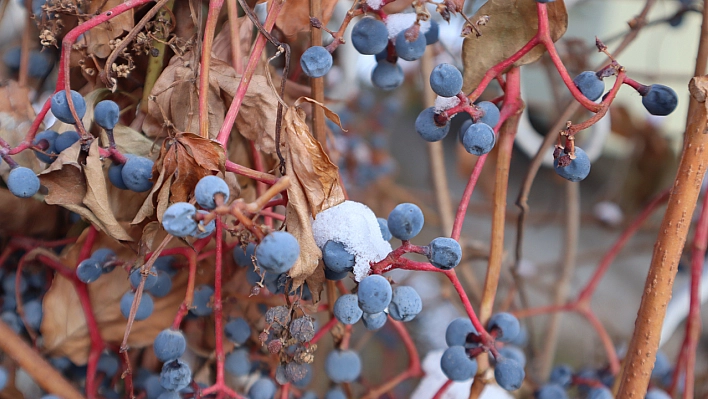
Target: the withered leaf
pixel 314 187
pixel 96 198
pixel 295 15
pixel 175 100
pixel 28 217
pixel 222 50
pixel 183 161
pixel 98 39
pixel 64 327
pixel 16 115
pixel 512 23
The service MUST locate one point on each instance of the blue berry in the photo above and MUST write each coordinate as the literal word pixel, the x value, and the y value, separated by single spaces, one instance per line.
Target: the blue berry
pixel 369 36
pixel 444 253
pixel 237 330
pixel 175 375
pixel 298 373
pixel 405 304
pixel 335 393
pixel 178 219
pixel 660 100
pixel 334 276
pixel 22 182
pixel 207 188
pixel 153 389
pixel 509 374
pixel 277 252
pixel 104 256
pixel 432 35
pixel 457 365
pixel 203 231
pixel 237 362
pixel 263 388
pixel 600 393
pixel 427 128
pixel 405 221
pixel 165 264
pixel 66 140
pixel 478 139
pixel 108 364
pixel 507 325
pixel 145 307
pixel 446 80
pixel 590 85
pixel 169 345
pixel 106 114
pixel 136 174
pixel 40 63
pixel 162 286
pixel 662 366
pixel 302 329
pixel 115 175
pixel 491 113
pixel 577 170
pixel 512 352
pixel 136 276
pixel 13 320
pixel 383 226
pixel 201 301
pixel 8 283
pixel 47 141
pixel 656 393
pixel 60 363
pixel 458 330
pixel 170 395
pixel 409 51
pixel 336 258
pixel 309 395
pixel 562 375
pixel 3 378
pixel 33 314
pixel 346 309
pixel 374 294
pixel 243 258
pixel 522 338
pixel 89 270
pixel 374 321
pixel 551 391
pixel 60 106
pixel 387 75
pixel 342 366
pixel 316 61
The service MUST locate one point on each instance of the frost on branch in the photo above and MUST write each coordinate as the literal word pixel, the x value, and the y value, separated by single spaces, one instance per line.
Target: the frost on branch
pixel 396 23
pixel 354 225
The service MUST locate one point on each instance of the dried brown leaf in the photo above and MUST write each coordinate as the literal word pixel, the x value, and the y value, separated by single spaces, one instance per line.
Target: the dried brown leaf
pixel 314 187
pixel 98 39
pixel 64 329
pixel 221 49
pixel 295 16
pixel 16 115
pixel 512 23
pixel 96 198
pixel 28 217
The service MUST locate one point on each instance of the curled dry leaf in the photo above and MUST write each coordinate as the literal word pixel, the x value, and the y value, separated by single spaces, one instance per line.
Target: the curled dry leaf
pixel 511 25
pixel 16 116
pixel 295 15
pixel 183 160
pixel 64 328
pixel 175 100
pixel 315 186
pixel 77 182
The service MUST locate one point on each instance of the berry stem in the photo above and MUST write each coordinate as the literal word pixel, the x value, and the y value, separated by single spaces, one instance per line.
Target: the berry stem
pixel 667 251
pixel 323 330
pixel 253 60
pixel 250 173
pixel 441 391
pixel 693 323
pixel 218 320
pixel 204 65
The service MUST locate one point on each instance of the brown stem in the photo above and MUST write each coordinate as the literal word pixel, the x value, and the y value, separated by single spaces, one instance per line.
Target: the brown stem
pixel 641 353
pixel 317 84
pixel 212 17
pixel 35 365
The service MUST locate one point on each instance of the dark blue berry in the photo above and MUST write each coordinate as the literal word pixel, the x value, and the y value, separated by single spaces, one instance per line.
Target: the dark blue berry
pixel 428 129
pixel 578 168
pixel 60 106
pixel 386 75
pixel 478 139
pixel 446 80
pixel 409 51
pixel 316 61
pixel 22 182
pixel 66 140
pixel 336 258
pixel 660 100
pixel 369 36
pixel 405 221
pixel 444 253
pixel 106 114
pixel 590 85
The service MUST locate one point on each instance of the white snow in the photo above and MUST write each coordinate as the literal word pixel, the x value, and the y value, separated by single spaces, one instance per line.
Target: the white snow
pixel 354 225
pixel 434 379
pixel 445 103
pixel 402 21
pixel 374 4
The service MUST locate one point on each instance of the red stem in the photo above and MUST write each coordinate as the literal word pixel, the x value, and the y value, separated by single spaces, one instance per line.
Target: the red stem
pixel 441 391
pixel 250 173
pixel 253 60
